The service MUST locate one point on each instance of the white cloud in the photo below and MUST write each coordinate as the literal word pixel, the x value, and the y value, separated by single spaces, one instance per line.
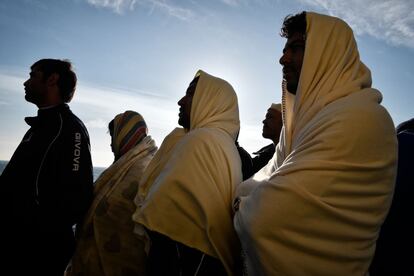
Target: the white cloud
pixel 388 20
pixel 232 3
pixel 173 10
pixel 97 123
pixel 237 3
pixel 118 6
pixel 166 6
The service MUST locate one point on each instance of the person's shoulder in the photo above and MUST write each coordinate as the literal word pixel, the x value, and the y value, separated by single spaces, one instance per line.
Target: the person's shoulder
pixel 204 134
pixel 207 137
pixel 68 115
pixel 242 151
pixel 269 148
pixel 361 110
pixel 72 124
pixel 406 137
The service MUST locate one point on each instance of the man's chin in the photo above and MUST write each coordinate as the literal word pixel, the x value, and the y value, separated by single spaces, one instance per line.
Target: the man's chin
pixel 291 88
pixel 184 124
pixel 28 98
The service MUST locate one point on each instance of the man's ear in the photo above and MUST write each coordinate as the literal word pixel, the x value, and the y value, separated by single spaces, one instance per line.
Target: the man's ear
pixel 52 79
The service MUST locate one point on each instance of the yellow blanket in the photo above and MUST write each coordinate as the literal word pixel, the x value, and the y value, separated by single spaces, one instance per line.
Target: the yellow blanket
pixel 317 207
pixel 106 242
pixel 187 190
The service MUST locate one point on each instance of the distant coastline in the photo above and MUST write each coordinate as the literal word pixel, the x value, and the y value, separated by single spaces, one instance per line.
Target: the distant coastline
pixel 96 170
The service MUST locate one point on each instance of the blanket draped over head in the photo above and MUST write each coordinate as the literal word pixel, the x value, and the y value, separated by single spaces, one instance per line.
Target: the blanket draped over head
pixel 317 207
pixel 186 192
pixel 106 243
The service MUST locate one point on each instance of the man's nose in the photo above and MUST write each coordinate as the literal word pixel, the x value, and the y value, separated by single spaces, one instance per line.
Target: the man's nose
pixel 180 102
pixel 284 58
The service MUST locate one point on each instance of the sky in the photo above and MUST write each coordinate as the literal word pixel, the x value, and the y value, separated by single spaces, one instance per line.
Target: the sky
pixel 142 54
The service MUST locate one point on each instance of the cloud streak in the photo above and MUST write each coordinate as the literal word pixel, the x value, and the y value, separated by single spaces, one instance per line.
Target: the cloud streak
pixel 233 3
pixel 238 3
pixel 172 10
pixel 391 21
pixel 97 123
pixel 120 6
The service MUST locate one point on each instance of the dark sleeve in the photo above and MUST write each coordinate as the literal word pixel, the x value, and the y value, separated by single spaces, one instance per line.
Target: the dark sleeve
pixel 246 160
pixel 75 175
pixel 262 158
pixel 396 235
pixel 162 257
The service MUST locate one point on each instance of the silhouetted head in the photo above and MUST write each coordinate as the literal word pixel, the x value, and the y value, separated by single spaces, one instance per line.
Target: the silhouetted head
pixel 294 29
pixel 127 130
pixel 273 123
pixel 50 76
pixel 111 132
pixel 185 105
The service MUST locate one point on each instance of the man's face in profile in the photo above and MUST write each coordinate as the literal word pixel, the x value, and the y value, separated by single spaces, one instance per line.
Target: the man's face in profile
pixel 272 124
pixel 185 105
pixel 35 87
pixel 292 60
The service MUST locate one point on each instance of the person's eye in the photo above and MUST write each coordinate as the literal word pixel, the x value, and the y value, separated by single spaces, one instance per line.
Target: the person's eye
pixel 297 48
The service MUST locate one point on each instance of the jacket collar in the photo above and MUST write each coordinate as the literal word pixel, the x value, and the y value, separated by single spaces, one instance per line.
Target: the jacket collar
pixel 45 113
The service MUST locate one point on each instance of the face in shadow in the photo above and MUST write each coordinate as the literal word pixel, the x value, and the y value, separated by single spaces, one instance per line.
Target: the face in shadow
pixel 272 125
pixel 292 60
pixel 36 88
pixel 185 105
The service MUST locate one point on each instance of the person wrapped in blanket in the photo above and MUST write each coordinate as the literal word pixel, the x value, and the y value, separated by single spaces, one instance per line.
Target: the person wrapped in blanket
pixel 107 244
pixel 185 197
pixel 316 208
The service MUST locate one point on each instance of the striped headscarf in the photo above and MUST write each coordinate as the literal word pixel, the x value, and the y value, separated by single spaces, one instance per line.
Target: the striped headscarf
pixel 129 128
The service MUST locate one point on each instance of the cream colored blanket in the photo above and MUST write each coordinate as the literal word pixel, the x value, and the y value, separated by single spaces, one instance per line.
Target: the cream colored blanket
pixel 317 207
pixel 187 190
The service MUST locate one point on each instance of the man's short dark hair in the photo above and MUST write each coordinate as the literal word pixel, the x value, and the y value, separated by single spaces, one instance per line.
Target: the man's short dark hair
pixel 407 125
pixel 67 78
pixel 293 24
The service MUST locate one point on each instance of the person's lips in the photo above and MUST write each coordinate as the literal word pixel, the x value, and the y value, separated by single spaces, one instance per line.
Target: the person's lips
pixel 286 72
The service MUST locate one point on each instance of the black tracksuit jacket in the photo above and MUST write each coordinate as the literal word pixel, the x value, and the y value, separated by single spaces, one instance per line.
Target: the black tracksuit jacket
pixel 48 187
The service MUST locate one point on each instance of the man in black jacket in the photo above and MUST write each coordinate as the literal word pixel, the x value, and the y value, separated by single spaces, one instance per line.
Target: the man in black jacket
pixel 272 126
pixel 48 182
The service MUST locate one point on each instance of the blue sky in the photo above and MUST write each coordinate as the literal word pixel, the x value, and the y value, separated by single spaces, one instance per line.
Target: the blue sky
pixel 141 55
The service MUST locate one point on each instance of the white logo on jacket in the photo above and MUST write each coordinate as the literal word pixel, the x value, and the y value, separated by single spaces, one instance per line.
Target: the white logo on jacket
pixel 77 152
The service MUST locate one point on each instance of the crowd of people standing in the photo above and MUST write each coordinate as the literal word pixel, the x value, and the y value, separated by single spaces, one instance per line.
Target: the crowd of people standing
pixel 310 203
